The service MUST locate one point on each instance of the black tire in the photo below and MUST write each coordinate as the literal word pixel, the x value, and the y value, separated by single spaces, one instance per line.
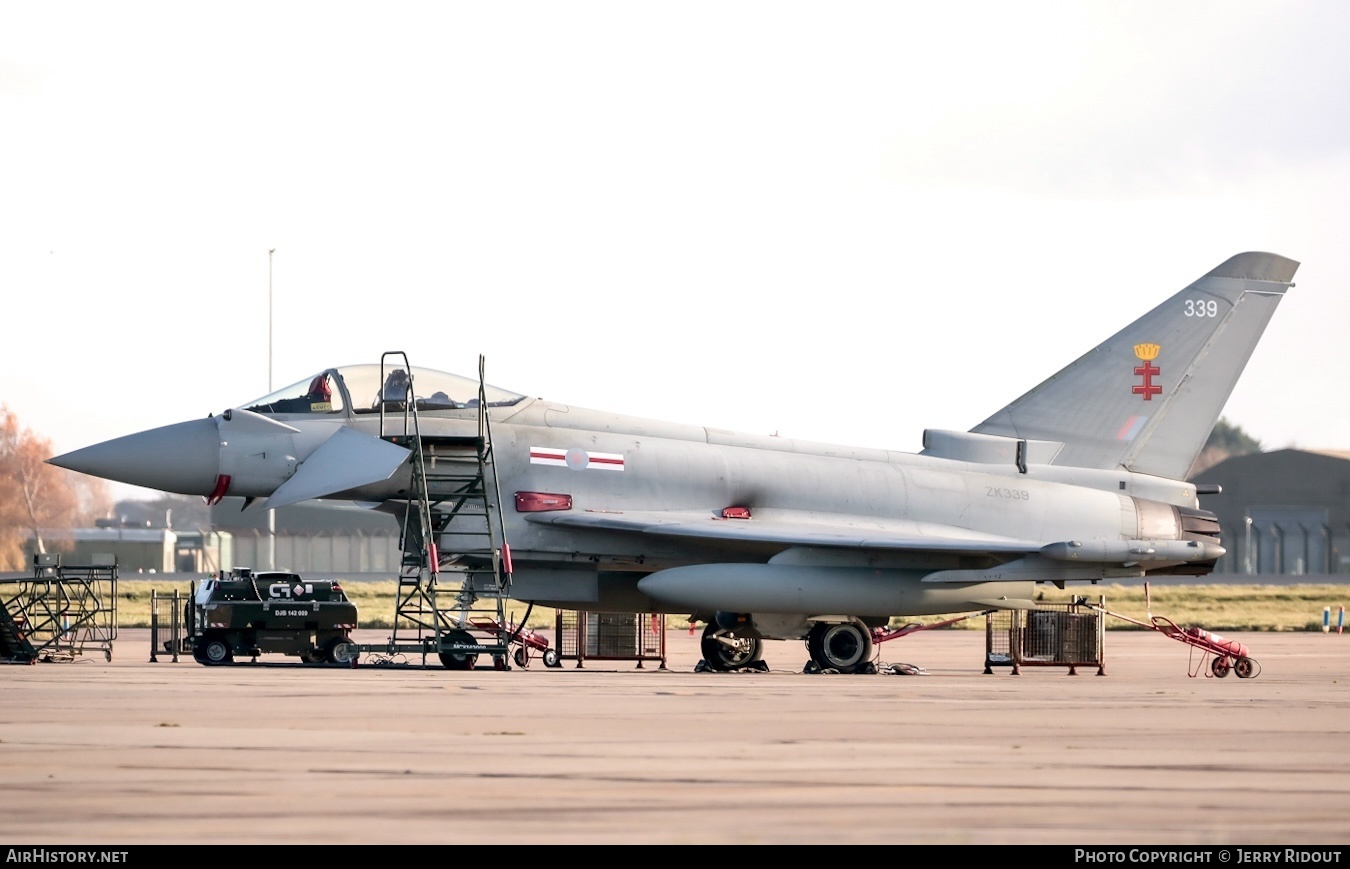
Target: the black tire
pixel 340 650
pixel 1219 666
pixel 312 656
pixel 214 651
pixel 552 658
pixel 521 657
pixel 453 660
pixel 725 650
pixel 1245 668
pixel 845 647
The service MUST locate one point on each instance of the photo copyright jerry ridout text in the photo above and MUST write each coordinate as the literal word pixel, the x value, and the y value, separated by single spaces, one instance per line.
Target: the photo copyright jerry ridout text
pixel 51 855
pixel 1206 855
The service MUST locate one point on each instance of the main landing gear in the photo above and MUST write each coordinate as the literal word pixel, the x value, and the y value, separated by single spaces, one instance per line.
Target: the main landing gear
pixel 843 647
pixel 834 647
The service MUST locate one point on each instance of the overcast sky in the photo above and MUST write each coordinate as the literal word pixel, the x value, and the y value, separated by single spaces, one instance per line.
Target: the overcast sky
pixel 840 222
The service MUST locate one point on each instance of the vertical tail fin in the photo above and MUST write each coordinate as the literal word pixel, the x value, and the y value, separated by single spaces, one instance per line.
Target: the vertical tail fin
pixel 1147 398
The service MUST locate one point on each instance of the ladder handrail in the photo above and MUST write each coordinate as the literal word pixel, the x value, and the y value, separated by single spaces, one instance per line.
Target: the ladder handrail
pixel 427 562
pixel 417 458
pixel 485 432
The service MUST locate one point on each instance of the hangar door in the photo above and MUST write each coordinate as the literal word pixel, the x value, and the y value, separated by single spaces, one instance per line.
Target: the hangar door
pixel 1288 540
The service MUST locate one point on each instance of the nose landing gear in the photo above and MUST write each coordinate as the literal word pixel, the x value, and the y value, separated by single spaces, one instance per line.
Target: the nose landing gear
pixel 726 650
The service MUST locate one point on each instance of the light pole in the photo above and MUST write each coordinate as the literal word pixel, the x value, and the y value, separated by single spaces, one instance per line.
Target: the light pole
pixel 269 318
pixel 1247 547
pixel 271 514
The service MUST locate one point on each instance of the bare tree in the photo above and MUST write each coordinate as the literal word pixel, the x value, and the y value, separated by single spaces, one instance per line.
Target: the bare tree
pixel 36 497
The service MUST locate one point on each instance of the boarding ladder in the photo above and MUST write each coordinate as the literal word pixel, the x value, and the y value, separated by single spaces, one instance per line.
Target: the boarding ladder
pixel 454 578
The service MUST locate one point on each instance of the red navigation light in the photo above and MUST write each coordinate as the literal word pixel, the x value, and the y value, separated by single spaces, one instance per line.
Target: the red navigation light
pixel 736 513
pixel 542 502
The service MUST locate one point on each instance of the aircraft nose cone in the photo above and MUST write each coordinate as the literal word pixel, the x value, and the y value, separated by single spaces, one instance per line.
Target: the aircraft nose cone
pixel 182 458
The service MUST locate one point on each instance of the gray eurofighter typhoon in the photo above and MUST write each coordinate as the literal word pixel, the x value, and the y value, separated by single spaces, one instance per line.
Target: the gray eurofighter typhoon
pixel 1080 479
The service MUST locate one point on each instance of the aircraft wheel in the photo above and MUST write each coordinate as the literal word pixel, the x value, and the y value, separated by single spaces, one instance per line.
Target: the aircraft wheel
pixel 846 647
pixel 340 650
pixel 458 660
pixel 552 658
pixel 1219 667
pixel 312 656
pixel 1245 668
pixel 215 650
pixel 724 650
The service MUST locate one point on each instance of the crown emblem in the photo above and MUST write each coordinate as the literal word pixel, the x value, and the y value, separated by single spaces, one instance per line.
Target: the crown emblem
pixel 1147 352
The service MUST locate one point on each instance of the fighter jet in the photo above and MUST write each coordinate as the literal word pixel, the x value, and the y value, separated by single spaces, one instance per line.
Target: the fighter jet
pixel 1082 479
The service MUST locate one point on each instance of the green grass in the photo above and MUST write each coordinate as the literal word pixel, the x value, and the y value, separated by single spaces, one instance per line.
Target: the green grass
pixel 1219 607
pixel 1214 607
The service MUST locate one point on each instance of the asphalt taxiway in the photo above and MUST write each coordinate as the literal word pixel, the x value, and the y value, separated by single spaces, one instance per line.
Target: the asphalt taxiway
pixel 1155 751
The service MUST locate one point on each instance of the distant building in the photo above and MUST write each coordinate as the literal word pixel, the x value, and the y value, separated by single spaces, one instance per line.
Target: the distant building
pixel 1282 512
pixel 309 538
pixel 137 550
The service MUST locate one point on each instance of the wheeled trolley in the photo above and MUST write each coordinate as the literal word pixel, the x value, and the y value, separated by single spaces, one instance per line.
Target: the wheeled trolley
pixel 1223 655
pixel 1228 655
pixel 523 639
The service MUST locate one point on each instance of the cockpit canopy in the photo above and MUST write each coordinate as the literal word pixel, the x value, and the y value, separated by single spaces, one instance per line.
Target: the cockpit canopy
pixel 358 389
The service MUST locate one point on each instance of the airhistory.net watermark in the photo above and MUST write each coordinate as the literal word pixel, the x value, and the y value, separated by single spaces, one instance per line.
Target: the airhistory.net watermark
pixel 49 855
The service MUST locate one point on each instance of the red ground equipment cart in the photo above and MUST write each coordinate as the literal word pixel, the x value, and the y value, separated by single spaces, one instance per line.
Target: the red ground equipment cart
pixel 1224 655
